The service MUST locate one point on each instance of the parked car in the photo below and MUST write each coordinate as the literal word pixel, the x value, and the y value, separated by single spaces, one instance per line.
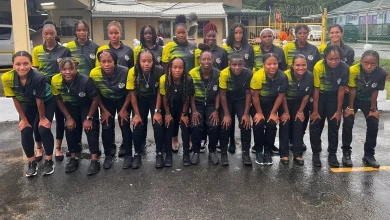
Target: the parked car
pixel 7 44
pixel 315 32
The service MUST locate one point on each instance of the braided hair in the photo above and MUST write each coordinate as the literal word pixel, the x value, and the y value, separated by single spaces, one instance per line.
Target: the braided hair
pixel 138 72
pixel 370 53
pixel 169 84
pixel 76 25
pixel 142 37
pixel 328 50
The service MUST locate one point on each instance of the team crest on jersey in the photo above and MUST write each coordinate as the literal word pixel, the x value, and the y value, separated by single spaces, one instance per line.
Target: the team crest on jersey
pixel 158 59
pixel 82 94
pixel 34 92
pixel 307 89
pixel 92 56
pixel 338 81
pixel 192 51
pixel 374 85
pixel 127 57
pixel 311 99
pixel 278 88
pixel 218 60
pixel 121 85
pixel 156 84
pixel 310 57
pixel 246 56
pixel 215 87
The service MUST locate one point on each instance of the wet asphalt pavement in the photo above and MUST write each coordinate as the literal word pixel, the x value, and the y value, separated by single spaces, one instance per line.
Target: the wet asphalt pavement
pixel 198 192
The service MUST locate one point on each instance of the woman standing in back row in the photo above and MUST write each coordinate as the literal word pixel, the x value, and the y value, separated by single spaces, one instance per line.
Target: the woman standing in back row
pixel 179 47
pixel 44 58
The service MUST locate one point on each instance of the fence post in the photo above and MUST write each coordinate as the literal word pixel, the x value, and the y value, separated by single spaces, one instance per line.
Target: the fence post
pixel 324 20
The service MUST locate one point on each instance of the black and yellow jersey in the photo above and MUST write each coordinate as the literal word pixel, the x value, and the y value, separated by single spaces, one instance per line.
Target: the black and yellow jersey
pixel 348 52
pixel 205 91
pixel 259 52
pixel 84 54
pixel 235 86
pixel 35 87
pixel 246 51
pixel 365 83
pixel 176 91
pixel 148 86
pixel 111 87
pixel 329 81
pixel 78 92
pixel 220 57
pixel 125 54
pixel 309 51
pixel 297 89
pixel 185 51
pixel 47 60
pixel 269 89
pixel 156 50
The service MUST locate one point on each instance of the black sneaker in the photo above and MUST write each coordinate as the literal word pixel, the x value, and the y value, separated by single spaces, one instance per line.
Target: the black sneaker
pixel 268 159
pixel 195 159
pixel 253 149
pixel 224 159
pixel 68 154
pixel 213 158
pixel 93 168
pixel 108 162
pixel 127 162
pixel 259 158
pixel 186 160
pixel 275 150
pixel 246 159
pixel 347 162
pixel 168 160
pixel 72 165
pixel 316 160
pixel 122 151
pixel 48 167
pixel 371 161
pixel 299 162
pixel 333 162
pixel 32 169
pixel 137 161
pixel 232 147
pixel 159 160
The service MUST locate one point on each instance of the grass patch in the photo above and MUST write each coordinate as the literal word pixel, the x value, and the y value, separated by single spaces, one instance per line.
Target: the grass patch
pixel 387 88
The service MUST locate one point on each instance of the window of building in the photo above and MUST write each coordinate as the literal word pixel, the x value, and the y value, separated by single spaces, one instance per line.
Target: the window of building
pixel 67 24
pixel 164 28
pixel 201 25
pixel 105 24
pixel 5 33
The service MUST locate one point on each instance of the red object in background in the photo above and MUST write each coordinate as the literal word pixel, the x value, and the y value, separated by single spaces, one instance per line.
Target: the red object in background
pixel 277 16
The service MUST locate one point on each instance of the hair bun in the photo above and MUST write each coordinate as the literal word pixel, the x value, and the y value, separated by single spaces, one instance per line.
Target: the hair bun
pixel 204 47
pixel 180 19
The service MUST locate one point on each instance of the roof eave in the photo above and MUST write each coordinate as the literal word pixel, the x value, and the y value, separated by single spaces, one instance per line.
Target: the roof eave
pixel 200 16
pixel 96 14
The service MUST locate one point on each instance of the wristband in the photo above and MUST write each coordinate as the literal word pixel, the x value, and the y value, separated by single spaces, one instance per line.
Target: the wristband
pixel 299 113
pixel 168 115
pixel 136 116
pixel 69 116
pixel 351 109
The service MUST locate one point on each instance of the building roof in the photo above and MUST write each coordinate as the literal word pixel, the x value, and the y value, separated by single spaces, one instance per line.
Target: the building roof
pixel 357 6
pixel 120 8
pixel 243 11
